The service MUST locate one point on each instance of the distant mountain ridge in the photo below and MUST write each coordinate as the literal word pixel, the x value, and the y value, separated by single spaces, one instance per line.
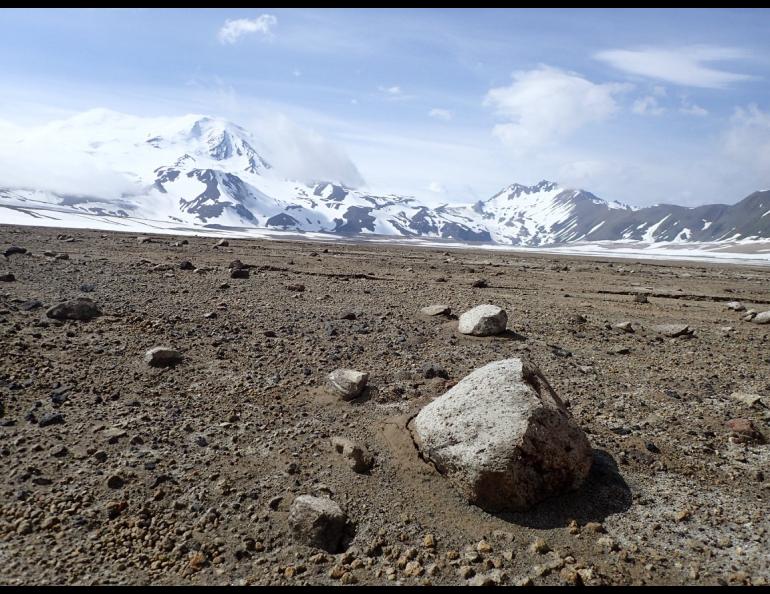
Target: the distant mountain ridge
pixel 207 172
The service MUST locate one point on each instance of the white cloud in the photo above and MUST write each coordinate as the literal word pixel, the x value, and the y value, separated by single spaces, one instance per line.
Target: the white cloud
pixel 296 72
pixel 647 106
pixel 440 114
pixel 747 140
pixel 303 154
pixel 687 66
pixel 693 109
pixel 436 187
pixel 547 104
pixel 231 31
pixel 394 90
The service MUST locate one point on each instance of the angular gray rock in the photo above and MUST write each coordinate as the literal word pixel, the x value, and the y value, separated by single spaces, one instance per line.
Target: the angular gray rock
pixel 346 383
pixel 504 438
pixel 222 243
pixel 317 522
pixel 7 277
pixel 483 320
pixel 736 306
pixel 81 308
pixel 357 457
pixel 762 318
pixel 673 330
pixel 436 310
pixel 625 327
pixel 162 357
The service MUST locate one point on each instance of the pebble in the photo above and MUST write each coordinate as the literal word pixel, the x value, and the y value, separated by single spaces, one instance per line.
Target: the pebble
pixel 346 383
pixel 115 481
pixel 81 308
pixel 436 310
pixel 14 249
pixel 53 418
pixel 161 356
pixel 357 457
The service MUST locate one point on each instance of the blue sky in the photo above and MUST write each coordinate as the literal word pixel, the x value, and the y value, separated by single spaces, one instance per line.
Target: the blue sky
pixel 641 106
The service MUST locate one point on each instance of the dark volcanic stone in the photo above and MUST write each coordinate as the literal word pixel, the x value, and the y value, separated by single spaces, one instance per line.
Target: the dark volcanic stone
pixel 53 418
pixel 14 249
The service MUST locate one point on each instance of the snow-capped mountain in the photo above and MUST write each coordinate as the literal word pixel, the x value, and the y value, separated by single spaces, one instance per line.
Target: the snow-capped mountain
pixel 202 171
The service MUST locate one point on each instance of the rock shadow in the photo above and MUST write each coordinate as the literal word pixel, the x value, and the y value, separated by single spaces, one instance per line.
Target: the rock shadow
pixel 604 493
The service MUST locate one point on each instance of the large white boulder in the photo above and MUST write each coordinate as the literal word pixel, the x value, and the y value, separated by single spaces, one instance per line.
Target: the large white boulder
pixel 504 437
pixel 483 320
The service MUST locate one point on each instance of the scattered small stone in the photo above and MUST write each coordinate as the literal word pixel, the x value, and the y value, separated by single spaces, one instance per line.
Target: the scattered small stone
pixel 744 431
pixel 480 283
pixel 641 298
pixel 436 310
pixel 186 265
pixel 748 399
pixel 539 546
pixel 619 350
pixel 87 288
pixel 651 447
pixel 625 327
pixel 115 482
pixel 736 306
pixel 431 370
pixel 559 351
pixel 81 308
pixel 348 578
pixel 222 243
pixel 53 418
pixel 7 277
pixel 30 305
pixel 14 249
pixel 297 287
pixel 762 318
pixel 466 572
pixel 346 383
pixel 161 356
pixel 317 522
pixel 357 457
pixel 428 541
pixel 673 330
pixel 483 320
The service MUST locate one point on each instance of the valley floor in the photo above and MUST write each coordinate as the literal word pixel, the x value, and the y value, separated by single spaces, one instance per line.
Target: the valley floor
pixel 185 475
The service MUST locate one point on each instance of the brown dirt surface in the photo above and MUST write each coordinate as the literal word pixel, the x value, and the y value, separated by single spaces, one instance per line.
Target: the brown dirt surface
pixel 116 472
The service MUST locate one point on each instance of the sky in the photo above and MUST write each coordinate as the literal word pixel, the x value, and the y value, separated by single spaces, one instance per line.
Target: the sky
pixel 643 106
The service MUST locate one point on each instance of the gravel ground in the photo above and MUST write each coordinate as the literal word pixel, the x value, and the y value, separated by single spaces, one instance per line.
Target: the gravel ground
pixel 118 472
